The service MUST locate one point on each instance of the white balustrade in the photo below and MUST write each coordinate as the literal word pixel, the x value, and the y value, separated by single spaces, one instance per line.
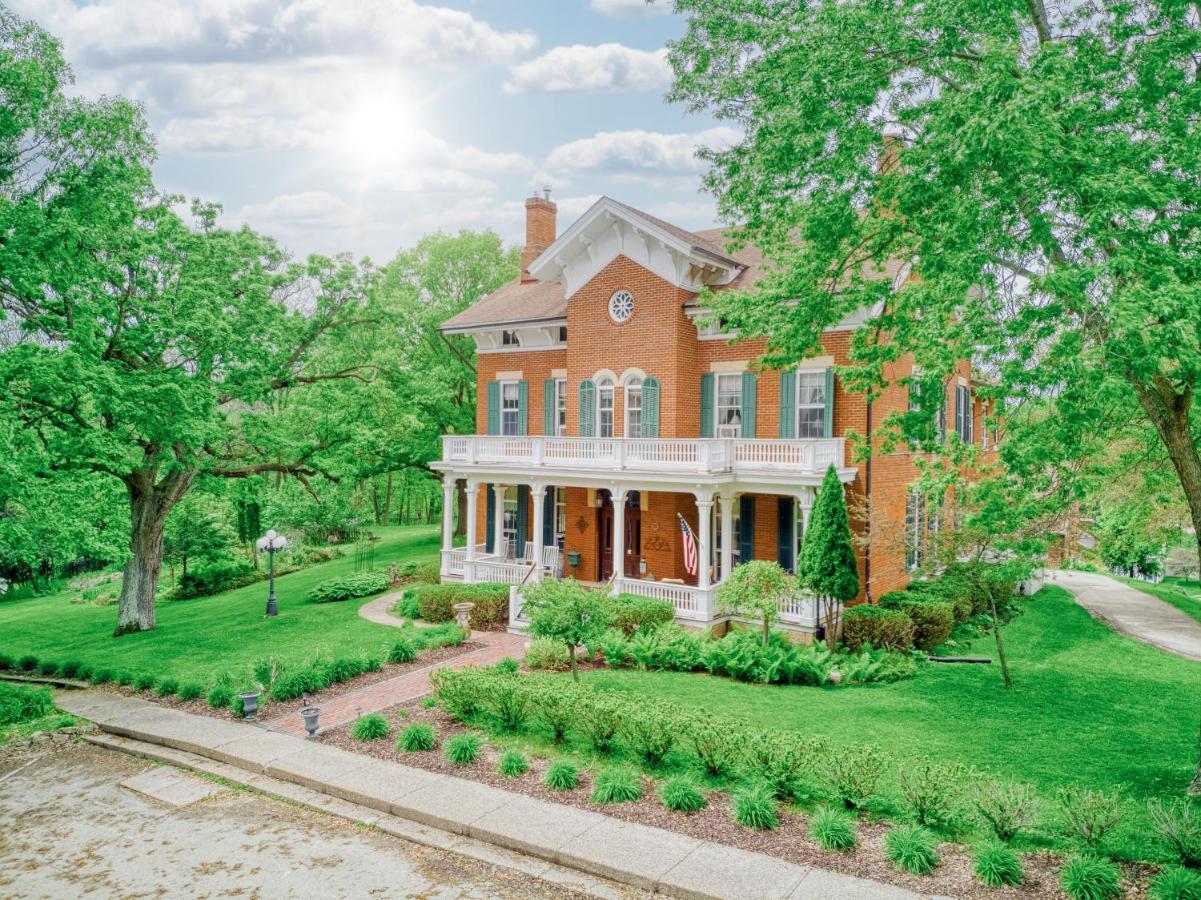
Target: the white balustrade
pixel 689 602
pixel 799 610
pixel 453 561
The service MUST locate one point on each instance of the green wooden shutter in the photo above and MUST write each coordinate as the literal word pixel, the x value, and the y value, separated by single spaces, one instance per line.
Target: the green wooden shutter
pixel 523 517
pixel 587 408
pixel 650 407
pixel 785 546
pixel 549 410
pixel 548 518
pixel 493 407
pixel 707 405
pixel 787 405
pixel 490 519
pixel 523 407
pixel 746 527
pixel 828 421
pixel 750 383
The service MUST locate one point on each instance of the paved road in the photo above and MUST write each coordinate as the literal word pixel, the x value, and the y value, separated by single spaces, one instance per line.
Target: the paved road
pixel 72 830
pixel 1134 613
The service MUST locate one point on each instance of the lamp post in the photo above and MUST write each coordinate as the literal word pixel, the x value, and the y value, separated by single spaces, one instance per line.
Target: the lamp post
pixel 272 543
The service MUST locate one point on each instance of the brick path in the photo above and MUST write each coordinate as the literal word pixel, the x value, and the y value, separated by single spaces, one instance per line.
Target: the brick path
pixel 409 686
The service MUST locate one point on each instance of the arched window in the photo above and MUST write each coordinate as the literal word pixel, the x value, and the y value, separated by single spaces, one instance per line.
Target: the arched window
pixel 605 386
pixel 633 404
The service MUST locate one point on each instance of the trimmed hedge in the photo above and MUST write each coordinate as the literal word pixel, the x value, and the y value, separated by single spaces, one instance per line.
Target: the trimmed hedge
pixel 348 587
pixel 436 602
pixel 877 626
pixel 631 612
pixel 932 617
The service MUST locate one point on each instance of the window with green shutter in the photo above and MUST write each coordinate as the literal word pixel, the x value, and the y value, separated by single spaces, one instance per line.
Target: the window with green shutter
pixel 746 528
pixel 523 513
pixel 549 397
pixel 750 383
pixel 489 518
pixel 787 405
pixel 650 407
pixel 523 407
pixel 493 418
pixel 707 402
pixel 587 407
pixel 828 415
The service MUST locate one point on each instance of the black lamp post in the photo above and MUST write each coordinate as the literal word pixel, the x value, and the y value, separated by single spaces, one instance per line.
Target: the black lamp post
pixel 272 543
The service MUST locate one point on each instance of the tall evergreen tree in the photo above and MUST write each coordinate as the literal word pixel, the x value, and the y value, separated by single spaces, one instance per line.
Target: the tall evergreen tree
pixel 827 564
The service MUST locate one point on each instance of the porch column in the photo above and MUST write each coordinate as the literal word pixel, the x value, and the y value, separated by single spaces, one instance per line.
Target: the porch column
pixel 727 534
pixel 473 498
pixel 498 522
pixel 619 537
pixel 537 495
pixel 448 519
pixel 704 524
pixel 805 498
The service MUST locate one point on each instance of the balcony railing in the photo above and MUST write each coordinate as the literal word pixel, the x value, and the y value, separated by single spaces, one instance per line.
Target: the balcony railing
pixel 701 455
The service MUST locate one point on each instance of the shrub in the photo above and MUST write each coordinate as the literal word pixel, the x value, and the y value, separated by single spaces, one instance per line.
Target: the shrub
pixel 1088 877
pixel 124 678
pixel 416 739
pixel 601 722
pixel 665 647
pixel 543 653
pixel 562 776
pixel 1088 815
pixel 616 784
pixel 447 634
pixel 955 591
pixel 912 849
pixel 189 691
pixel 631 612
pixel 1005 806
pixel 932 616
pixel 650 731
pixel 220 696
pixel 463 749
pixel 512 764
pixel 348 587
pixel 428 571
pixel 507 666
pixel 20 703
pixel 755 807
pixel 27 663
pixel 879 627
pixel 508 700
pixel 436 602
pixel 1179 824
pixel 555 707
pixel 614 646
pixel 167 687
pixel 143 682
pixel 403 650
pixel 931 790
pixel 998 866
pixel 785 762
pixel 370 728
pixel 102 676
pixel 215 577
pixel 70 669
pixel 716 743
pixel 833 829
pixel 567 612
pixel 407 606
pixel 6 662
pixel 853 773
pixel 681 794
pixel 1176 883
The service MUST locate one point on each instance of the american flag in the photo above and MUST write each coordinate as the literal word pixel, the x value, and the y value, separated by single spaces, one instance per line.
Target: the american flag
pixel 691 552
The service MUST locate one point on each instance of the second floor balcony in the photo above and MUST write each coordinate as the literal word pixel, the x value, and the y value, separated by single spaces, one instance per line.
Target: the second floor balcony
pixel 705 456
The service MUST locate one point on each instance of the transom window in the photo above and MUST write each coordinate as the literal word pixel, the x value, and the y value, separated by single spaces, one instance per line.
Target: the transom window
pixel 510 404
pixel 634 407
pixel 604 406
pixel 729 405
pixel 561 407
pixel 811 404
pixel 621 306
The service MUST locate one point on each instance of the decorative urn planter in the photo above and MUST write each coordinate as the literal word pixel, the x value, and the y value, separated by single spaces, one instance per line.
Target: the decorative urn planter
pixel 250 704
pixel 463 616
pixel 310 714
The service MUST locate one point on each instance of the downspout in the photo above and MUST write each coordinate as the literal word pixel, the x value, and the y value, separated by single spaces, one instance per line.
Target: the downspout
pixel 867 528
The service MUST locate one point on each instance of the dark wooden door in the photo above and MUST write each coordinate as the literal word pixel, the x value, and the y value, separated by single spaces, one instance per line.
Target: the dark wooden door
pixel 604 539
pixel 633 539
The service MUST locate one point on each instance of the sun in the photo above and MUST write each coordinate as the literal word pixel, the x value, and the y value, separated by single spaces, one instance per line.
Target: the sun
pixel 377 131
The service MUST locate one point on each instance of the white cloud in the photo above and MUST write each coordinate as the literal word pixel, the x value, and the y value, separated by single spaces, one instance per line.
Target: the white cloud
pixel 639 152
pixel 607 67
pixel 624 9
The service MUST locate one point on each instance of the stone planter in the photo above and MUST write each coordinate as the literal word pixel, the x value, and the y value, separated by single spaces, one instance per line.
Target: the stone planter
pixel 250 704
pixel 310 714
pixel 463 616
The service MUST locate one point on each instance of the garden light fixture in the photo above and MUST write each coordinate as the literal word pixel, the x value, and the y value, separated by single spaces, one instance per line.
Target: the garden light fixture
pixel 272 543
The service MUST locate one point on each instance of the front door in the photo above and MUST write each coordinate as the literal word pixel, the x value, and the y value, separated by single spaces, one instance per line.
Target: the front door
pixel 604 537
pixel 633 540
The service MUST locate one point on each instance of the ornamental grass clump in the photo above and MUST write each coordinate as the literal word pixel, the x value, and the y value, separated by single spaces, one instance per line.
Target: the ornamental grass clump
pixel 1179 824
pixel 102 676
pixel 70 669
pixel 562 776
pixel 463 749
pixel 1089 877
pixel 370 728
pixel 1088 815
pixel 403 650
pixel 617 784
pixel 833 829
pixel 679 793
pixel 189 691
pixel 143 682
pixel 755 807
pixel 167 687
pixel 27 663
pixel 997 866
pixel 912 849
pixel 512 764
pixel 1176 883
pixel 416 739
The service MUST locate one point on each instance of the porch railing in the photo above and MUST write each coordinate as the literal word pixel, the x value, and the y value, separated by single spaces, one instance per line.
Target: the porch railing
pixel 690 603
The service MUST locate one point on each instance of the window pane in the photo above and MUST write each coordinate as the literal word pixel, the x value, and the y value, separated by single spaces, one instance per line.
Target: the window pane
pixel 811 422
pixel 729 405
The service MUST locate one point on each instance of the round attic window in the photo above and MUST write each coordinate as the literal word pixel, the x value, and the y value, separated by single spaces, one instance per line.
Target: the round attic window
pixel 621 306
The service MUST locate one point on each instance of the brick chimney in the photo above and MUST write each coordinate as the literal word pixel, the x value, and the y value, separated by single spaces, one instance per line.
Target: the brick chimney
pixel 539 230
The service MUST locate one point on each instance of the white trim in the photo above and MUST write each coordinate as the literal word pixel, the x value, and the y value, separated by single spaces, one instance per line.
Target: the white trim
pixel 514 375
pixel 726 368
pixel 499 350
pixel 601 373
pixel 558 373
pixel 815 362
pixel 632 372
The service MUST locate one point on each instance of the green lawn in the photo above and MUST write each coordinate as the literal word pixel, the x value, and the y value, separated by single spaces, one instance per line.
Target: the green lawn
pixel 1089 706
pixel 197 639
pixel 1182 593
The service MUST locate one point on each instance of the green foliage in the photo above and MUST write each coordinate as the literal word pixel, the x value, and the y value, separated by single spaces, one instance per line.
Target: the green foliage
pixel 215 577
pixel 166 687
pixel 932 618
pixel 7 662
pixel 1176 883
pixel 436 602
pixel 27 663
pixel 785 762
pixel 601 721
pixel 562 776
pixel 616 784
pixel 827 560
pixel 853 773
pixel 1178 823
pixel 512 764
pixel 370 728
pixel 1005 806
pixel 546 654
pixel 70 669
pixel 555 707
pixel 1088 815
pixel 403 650
pixel 715 742
pixel 47 668
pixel 755 807
pixel 931 791
pixel 508 700
pixel 632 612
pixel 125 678
pixel 220 696
pixel 417 738
pixel 754 589
pixel 463 749
pixel 21 703
pixel 143 682
pixel 190 690
pixel 680 793
pixel 833 829
pixel 408 607
pixel 348 587
pixel 507 666
pixel 864 625
pixel 102 676
pixel 565 611
pixel 997 866
pixel 650 732
pixel 912 849
pixel 1088 877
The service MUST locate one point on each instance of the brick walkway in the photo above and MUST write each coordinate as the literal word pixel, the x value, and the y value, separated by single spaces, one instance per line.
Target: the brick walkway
pixel 409 686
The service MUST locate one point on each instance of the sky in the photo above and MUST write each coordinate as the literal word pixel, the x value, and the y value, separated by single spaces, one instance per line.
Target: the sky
pixel 360 125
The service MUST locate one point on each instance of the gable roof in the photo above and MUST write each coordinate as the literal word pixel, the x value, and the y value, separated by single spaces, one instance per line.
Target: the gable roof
pixel 512 303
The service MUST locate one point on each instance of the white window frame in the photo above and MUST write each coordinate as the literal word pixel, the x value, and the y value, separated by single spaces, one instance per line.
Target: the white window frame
pixel 515 411
pixel 508 524
pixel 915 529
pixel 820 374
pixel 561 407
pixel 735 537
pixel 606 385
pixel 727 429
pixel 633 389
pixel 510 338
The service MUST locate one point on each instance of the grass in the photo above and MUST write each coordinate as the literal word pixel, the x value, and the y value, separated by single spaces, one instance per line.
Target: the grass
pixel 219 633
pixel 1182 593
pixel 52 722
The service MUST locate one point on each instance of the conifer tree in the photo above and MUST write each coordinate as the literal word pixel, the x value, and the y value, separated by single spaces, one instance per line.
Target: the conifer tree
pixel 827 564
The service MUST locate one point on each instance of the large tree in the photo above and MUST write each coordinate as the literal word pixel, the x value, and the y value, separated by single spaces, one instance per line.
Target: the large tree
pixel 149 348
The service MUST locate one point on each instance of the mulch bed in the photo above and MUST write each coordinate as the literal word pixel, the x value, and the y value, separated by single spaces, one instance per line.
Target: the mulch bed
pixel 269 709
pixel 716 823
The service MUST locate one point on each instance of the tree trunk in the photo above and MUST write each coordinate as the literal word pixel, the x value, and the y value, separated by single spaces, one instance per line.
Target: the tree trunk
pixel 387 501
pixel 996 630
pixel 575 671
